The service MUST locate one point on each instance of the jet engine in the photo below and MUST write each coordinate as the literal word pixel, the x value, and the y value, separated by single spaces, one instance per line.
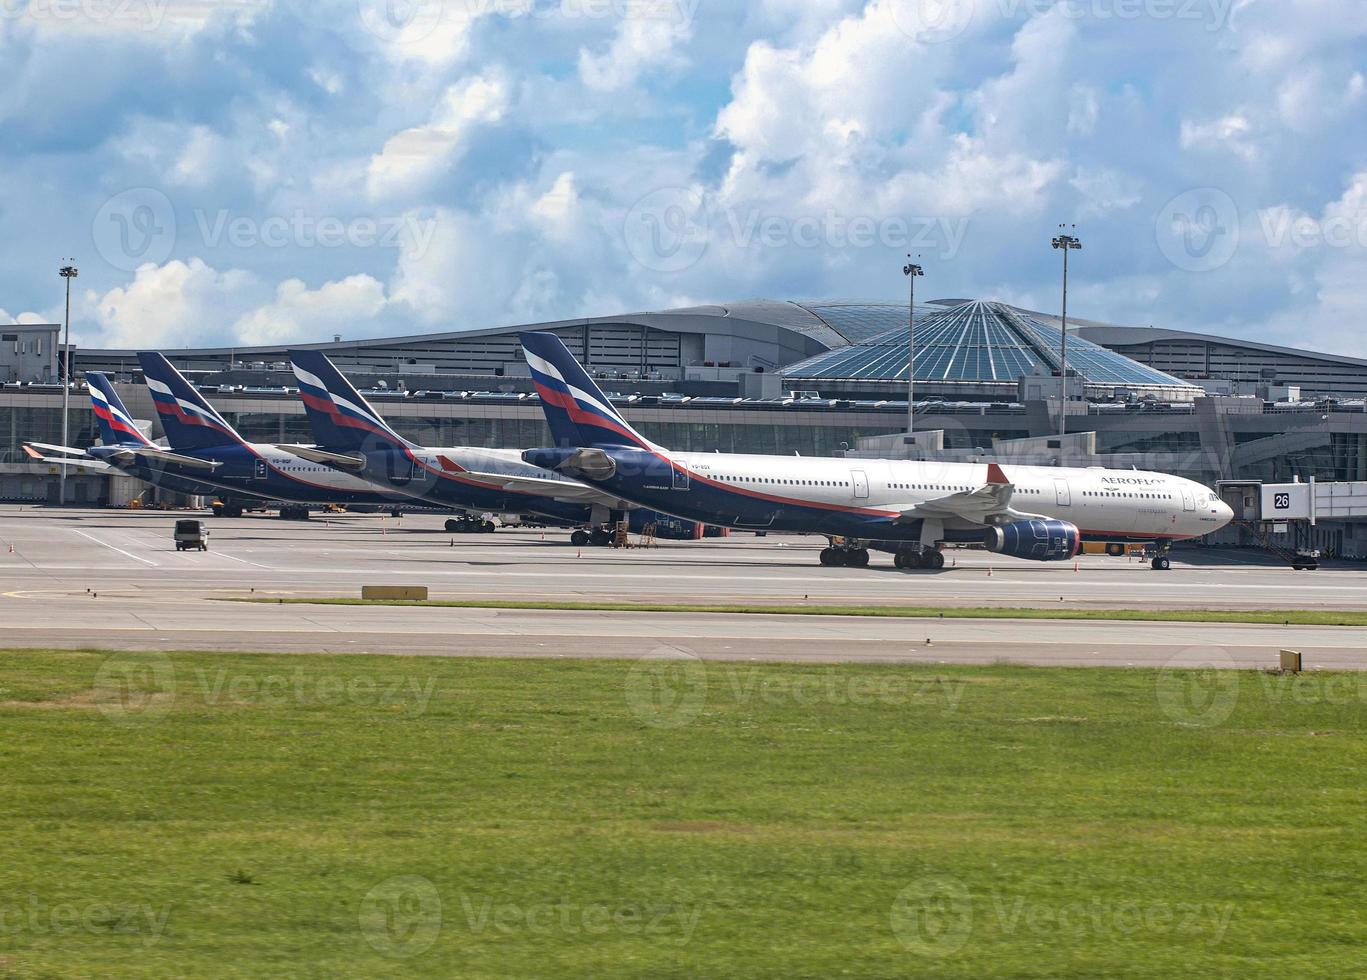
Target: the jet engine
pixel 1035 540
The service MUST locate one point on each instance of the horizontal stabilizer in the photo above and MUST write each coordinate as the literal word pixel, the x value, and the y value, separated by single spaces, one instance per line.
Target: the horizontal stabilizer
pixel 352 463
pixel 49 448
pixel 176 459
pixel 93 465
pixel 562 490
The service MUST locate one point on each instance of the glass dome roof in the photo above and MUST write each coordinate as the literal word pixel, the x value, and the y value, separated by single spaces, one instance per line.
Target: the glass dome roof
pixel 975 341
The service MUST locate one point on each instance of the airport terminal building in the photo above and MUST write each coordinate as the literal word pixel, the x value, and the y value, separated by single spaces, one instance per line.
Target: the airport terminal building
pixel 768 376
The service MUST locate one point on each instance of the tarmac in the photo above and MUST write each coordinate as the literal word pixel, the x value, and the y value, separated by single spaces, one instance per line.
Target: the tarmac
pixel 113 580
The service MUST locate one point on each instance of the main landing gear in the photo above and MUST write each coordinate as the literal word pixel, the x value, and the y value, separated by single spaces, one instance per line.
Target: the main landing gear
pixel 847 557
pixel 598 537
pixel 468 525
pixel 926 558
pixel 1160 562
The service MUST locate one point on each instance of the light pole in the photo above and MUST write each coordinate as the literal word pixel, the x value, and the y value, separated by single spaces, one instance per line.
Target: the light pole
pixel 1067 243
pixel 67 272
pixel 911 271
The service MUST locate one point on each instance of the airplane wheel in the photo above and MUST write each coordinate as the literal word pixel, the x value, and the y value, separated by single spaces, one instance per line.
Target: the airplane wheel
pixel 935 559
pixel 899 560
pixel 452 525
pixel 858 559
pixel 579 538
pixel 487 527
pixel 832 558
pixel 600 538
pixel 1161 564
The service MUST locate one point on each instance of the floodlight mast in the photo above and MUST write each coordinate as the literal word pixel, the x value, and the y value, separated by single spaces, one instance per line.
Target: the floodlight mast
pixel 1065 243
pixel 67 272
pixel 911 270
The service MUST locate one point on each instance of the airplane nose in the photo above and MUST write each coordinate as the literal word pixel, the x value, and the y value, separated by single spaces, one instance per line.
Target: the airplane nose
pixel 1225 512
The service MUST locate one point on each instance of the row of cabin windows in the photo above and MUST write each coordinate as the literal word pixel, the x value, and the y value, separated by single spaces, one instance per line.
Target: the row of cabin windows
pixel 940 486
pixel 1124 493
pixel 924 486
pixel 784 483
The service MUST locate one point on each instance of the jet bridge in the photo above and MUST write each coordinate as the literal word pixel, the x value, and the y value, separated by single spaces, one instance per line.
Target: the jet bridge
pixel 1283 503
pixel 1293 510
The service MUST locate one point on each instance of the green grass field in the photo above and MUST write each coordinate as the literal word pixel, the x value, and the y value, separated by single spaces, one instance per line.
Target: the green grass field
pixel 229 815
pixel 1287 617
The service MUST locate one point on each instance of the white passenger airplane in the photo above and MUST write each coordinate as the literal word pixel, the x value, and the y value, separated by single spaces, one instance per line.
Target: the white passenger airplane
pixel 907 508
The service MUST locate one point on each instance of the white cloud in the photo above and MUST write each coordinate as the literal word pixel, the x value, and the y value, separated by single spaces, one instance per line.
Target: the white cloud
pixel 558 211
pixel 1309 98
pixel 172 305
pixel 203 157
pixel 641 44
pixel 156 21
pixel 1105 190
pixel 1083 110
pixel 459 279
pixel 432 34
pixel 299 313
pixel 839 109
pixel 414 157
pixel 844 107
pixel 1233 132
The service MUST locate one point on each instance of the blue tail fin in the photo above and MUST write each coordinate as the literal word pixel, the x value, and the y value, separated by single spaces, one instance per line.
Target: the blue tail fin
pixel 116 425
pixel 577 411
pixel 190 421
pixel 339 415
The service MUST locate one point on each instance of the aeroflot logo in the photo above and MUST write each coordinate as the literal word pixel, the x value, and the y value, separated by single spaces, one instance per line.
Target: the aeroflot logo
pixel 1132 481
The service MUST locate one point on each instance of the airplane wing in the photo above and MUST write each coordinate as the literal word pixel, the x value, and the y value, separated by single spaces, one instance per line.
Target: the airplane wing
pixel 189 462
pixel 343 461
pixel 562 490
pixel 988 504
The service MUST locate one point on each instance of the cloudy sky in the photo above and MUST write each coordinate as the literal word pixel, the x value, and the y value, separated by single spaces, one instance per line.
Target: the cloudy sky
pixel 253 171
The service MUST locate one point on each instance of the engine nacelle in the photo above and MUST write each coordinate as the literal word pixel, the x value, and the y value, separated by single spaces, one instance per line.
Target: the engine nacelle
pixel 1037 540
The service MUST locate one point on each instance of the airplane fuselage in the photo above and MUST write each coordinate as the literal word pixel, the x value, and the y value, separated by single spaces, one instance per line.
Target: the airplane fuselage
pixel 266 472
pixel 870 498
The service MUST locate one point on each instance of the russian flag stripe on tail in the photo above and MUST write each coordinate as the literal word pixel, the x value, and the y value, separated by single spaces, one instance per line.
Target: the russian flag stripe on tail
pixel 117 427
pixel 339 415
pixel 577 411
pixel 190 421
